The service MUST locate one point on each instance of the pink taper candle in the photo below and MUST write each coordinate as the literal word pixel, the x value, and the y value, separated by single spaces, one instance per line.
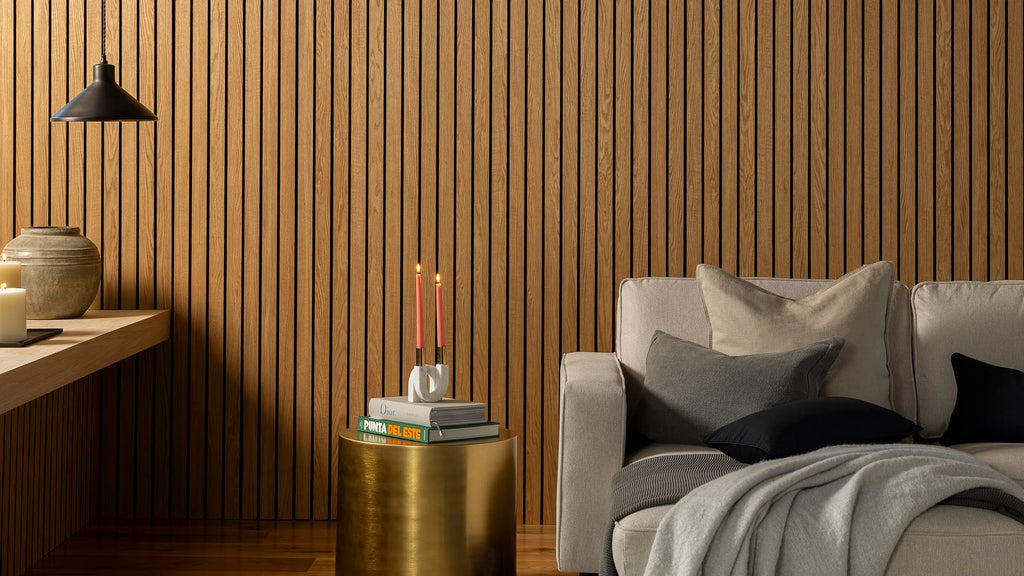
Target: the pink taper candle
pixel 439 311
pixel 419 308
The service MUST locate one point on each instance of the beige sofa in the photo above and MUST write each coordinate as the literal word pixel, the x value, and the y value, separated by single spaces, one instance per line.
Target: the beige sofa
pixel 924 326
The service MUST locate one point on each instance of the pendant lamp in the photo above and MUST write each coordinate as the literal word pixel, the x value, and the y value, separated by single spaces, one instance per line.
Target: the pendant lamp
pixel 103 100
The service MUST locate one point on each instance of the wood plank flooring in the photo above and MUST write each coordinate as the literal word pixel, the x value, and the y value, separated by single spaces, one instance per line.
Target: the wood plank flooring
pixel 207 548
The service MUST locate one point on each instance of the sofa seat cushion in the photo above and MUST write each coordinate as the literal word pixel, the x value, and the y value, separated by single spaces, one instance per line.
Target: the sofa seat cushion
pixel 944 541
pixel 664 449
pixel 1003 456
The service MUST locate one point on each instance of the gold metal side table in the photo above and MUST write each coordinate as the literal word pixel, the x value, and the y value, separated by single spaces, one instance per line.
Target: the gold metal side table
pixel 411 509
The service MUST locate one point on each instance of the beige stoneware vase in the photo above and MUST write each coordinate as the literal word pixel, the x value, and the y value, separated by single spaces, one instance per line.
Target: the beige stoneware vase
pixel 60 270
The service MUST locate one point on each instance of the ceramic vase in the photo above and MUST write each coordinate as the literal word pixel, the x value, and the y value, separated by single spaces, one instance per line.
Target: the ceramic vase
pixel 60 270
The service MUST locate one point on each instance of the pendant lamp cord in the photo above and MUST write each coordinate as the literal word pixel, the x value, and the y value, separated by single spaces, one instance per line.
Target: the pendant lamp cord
pixel 103 30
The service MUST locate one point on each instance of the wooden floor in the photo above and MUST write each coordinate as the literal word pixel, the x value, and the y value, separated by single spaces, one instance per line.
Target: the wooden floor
pixel 233 547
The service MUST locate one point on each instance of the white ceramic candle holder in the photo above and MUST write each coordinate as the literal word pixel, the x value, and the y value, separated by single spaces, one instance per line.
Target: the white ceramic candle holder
pixel 428 383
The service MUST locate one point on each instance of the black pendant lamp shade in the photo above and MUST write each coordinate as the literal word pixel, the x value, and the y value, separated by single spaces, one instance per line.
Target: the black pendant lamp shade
pixel 103 100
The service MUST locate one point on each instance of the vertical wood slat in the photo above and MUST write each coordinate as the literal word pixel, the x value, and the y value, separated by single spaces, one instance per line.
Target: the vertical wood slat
pixel 747 95
pixel 658 90
pixel 552 216
pixel 924 210
pixel 535 154
pixel 961 121
pixel 712 134
pixel 1014 129
pixel 979 140
pixel 234 263
pixel 534 256
pixel 694 135
pixel 497 320
pixel 517 234
pixel 943 141
pixel 764 156
pixel 782 265
pixel 729 166
pixel 48 454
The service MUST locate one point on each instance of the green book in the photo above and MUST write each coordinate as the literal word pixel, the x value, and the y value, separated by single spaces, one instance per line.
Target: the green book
pixel 426 434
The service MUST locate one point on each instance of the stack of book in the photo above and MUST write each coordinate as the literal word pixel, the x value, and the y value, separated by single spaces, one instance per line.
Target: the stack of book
pixel 427 422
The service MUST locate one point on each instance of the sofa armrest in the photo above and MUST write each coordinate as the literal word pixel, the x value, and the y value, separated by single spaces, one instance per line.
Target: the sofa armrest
pixel 591 446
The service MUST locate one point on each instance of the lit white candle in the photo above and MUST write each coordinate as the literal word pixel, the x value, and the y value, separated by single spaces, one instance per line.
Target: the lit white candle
pixel 10 272
pixel 12 314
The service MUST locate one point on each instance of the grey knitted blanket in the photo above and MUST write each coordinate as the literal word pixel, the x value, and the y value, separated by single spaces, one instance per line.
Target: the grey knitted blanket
pixel 658 481
pixel 662 480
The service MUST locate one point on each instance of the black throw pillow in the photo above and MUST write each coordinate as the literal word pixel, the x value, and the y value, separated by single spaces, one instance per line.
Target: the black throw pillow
pixel 807 425
pixel 989 403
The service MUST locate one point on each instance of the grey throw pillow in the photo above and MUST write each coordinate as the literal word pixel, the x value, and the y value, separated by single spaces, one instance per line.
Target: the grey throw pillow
pixel 690 390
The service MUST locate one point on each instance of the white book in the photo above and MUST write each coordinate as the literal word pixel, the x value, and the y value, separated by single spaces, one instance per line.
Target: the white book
pixel 447 412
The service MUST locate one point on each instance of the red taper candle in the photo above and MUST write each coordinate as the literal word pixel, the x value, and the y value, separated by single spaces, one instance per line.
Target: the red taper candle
pixel 419 308
pixel 439 311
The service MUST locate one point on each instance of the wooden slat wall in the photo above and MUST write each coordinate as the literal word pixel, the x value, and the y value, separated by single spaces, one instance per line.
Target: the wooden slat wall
pixel 49 472
pixel 310 152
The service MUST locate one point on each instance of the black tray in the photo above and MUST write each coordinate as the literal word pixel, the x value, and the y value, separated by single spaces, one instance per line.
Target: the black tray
pixel 33 335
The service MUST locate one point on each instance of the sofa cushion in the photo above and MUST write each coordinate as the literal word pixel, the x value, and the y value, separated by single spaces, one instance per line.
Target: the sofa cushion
pixel 674 305
pixel 1003 456
pixel 944 541
pixel 807 425
pixel 980 319
pixel 746 319
pixel 652 450
pixel 989 403
pixel 691 390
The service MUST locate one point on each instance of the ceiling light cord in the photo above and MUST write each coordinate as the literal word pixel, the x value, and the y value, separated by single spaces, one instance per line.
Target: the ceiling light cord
pixel 103 31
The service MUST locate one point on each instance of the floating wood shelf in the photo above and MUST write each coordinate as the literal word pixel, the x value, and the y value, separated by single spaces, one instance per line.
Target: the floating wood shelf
pixel 95 341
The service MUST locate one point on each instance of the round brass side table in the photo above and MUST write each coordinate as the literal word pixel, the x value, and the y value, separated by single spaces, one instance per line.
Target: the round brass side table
pixel 411 509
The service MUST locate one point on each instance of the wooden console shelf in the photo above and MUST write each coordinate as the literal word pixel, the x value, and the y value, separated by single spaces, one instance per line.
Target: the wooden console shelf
pixel 90 343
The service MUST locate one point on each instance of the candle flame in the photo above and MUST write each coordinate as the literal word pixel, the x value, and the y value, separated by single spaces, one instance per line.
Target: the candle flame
pixel 417 267
pixel 3 285
pixel 438 278
pixel 4 256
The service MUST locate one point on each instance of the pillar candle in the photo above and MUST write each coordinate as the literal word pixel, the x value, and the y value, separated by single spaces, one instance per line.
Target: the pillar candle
pixel 10 272
pixel 419 308
pixel 12 314
pixel 439 311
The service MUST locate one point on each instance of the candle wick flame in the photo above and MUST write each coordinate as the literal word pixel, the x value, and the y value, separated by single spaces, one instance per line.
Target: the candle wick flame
pixel 438 278
pixel 417 268
pixel 4 256
pixel 3 285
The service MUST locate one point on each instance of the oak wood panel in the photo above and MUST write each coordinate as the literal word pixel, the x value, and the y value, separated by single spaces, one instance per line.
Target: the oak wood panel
pixel 517 234
pixel 729 166
pixel 783 137
pixel 534 169
pixel 49 459
pixel 943 141
pixel 925 208
pixel 712 232
pixel 835 138
pixel 693 137
pixel 1014 129
pixel 309 154
pixel 747 89
pixel 764 161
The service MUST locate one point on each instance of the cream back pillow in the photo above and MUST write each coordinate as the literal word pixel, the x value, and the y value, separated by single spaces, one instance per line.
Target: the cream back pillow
pixel 747 319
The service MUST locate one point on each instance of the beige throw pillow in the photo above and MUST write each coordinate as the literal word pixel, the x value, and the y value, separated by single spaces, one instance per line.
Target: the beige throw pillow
pixel 747 319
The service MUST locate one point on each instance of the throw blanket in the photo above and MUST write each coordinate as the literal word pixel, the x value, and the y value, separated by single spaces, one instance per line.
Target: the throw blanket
pixel 837 511
pixel 659 481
